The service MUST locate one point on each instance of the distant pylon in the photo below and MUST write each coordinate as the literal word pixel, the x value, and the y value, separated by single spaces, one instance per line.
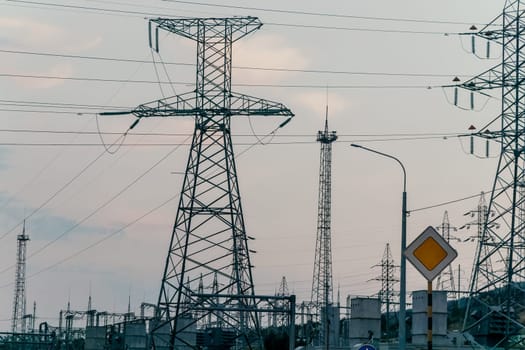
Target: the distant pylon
pixel 445 281
pixel 19 302
pixel 388 279
pixel 480 215
pixel 280 319
pixel 322 286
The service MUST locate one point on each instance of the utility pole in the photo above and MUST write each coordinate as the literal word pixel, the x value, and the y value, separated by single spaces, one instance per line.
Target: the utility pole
pixel 322 285
pixel 19 302
pixel 209 235
pixel 495 294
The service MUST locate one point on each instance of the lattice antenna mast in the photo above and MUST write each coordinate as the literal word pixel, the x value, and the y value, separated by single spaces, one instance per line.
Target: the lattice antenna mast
pixel 209 235
pixel 19 302
pixel 388 280
pixel 322 285
pixel 497 294
pixel 445 281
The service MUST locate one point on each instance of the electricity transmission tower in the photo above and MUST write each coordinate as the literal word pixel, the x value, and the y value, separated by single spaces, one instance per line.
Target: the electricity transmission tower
pixel 387 279
pixel 279 320
pixel 497 288
pixel 445 281
pixel 209 236
pixel 19 302
pixel 480 215
pixel 322 286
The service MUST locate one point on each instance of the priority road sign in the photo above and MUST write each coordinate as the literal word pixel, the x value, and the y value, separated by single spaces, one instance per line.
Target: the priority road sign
pixel 430 253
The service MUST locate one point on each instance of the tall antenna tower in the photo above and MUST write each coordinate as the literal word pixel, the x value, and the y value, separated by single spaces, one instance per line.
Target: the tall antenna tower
pixel 19 301
pixel 445 281
pixel 322 286
pixel 388 280
pixel 496 294
pixel 209 236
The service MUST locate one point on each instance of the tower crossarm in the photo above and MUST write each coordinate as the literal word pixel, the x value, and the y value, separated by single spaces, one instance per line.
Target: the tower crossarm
pixel 248 105
pixel 191 28
pixel 488 80
pixel 186 105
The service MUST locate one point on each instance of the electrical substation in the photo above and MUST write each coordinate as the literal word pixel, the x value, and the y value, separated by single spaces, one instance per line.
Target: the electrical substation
pixel 208 299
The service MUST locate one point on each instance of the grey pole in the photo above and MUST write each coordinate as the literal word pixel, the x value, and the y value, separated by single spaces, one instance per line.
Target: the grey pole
pixel 402 279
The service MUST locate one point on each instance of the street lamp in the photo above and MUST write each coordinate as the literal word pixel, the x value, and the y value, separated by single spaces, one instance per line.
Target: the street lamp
pixel 402 279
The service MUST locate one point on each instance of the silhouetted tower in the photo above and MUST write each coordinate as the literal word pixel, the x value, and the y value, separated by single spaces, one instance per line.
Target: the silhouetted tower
pixel 281 319
pixel 388 279
pixel 322 286
pixel 209 235
pixel 480 215
pixel 445 281
pixel 496 293
pixel 19 302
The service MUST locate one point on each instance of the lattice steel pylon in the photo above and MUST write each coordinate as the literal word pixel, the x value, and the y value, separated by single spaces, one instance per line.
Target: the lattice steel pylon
pixel 209 235
pixel 322 285
pixel 280 320
pixel 480 215
pixel 445 281
pixel 19 301
pixel 496 297
pixel 388 280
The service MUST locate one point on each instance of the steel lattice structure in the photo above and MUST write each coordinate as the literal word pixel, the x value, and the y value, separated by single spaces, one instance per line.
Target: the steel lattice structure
pixel 388 280
pixel 497 294
pixel 445 281
pixel 209 245
pixel 322 285
pixel 19 301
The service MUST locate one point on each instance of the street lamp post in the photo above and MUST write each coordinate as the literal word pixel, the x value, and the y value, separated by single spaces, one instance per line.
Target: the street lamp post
pixel 402 279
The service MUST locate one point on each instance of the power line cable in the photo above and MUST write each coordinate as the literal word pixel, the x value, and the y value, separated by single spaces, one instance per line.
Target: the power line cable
pixel 292 86
pixel 25 103
pixel 236 7
pixel 166 144
pixel 50 131
pixel 448 202
pixel 321 14
pixel 54 195
pixel 91 8
pixel 116 11
pixel 119 230
pixel 100 207
pixel 92 245
pixel 269 69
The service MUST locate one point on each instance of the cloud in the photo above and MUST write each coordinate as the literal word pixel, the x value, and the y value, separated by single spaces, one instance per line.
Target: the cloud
pixel 28 32
pixel 270 51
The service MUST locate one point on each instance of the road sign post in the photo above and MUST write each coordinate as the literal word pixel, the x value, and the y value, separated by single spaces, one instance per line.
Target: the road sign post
pixel 430 253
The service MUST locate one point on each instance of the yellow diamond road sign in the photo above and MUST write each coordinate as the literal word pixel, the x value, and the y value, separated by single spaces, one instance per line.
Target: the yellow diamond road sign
pixel 430 253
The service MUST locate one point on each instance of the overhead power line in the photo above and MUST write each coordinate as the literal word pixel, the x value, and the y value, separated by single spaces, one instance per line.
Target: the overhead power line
pixel 269 69
pixel 287 24
pixel 237 7
pixel 322 14
pixel 288 86
pixel 167 144
pixel 313 136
